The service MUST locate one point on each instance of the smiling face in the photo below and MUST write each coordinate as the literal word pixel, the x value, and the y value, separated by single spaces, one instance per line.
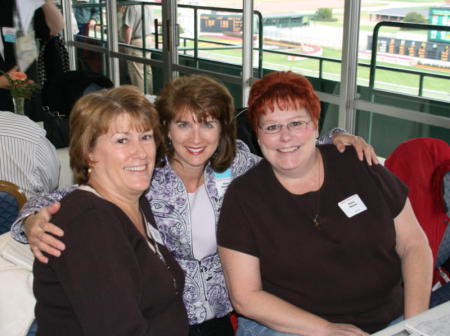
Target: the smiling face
pixel 193 141
pixel 122 160
pixel 288 150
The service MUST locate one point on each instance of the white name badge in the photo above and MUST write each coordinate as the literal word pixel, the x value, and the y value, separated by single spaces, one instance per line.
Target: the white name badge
pixel 9 34
pixel 155 234
pixel 223 180
pixel 352 206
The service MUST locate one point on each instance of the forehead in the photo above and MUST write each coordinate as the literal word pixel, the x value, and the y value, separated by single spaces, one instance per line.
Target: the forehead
pixel 124 122
pixel 279 114
pixel 187 114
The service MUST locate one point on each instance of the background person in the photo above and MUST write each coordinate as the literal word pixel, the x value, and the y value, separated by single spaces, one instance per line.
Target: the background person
pixel 48 21
pixel 314 242
pixel 135 31
pixel 86 17
pixel 28 159
pixel 115 277
pixel 198 125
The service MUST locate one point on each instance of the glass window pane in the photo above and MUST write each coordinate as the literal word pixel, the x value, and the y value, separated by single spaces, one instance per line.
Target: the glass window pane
pixel 303 36
pixel 408 69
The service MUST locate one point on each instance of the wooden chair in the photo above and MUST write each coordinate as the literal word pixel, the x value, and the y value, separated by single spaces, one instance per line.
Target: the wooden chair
pixel 11 201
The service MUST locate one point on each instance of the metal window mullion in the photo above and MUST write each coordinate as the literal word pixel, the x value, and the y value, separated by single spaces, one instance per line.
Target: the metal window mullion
pixel 113 45
pixel 247 49
pixel 68 33
pixel 170 49
pixel 348 89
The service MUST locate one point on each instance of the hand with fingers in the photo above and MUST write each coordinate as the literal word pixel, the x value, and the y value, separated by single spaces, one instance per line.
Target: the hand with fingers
pixel 363 149
pixel 42 235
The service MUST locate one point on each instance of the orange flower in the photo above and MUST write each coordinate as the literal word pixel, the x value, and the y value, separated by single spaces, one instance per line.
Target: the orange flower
pixel 18 76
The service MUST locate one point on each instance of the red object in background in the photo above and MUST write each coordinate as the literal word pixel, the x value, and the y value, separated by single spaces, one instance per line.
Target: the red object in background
pixel 422 163
pixel 233 319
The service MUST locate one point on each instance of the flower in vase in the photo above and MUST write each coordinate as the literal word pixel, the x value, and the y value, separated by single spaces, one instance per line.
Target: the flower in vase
pixel 19 85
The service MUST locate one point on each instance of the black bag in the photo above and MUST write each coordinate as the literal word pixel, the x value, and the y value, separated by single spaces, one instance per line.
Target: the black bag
pixel 57 127
pixel 60 95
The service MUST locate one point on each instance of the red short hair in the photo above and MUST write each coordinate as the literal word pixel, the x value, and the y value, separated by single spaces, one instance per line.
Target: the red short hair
pixel 285 90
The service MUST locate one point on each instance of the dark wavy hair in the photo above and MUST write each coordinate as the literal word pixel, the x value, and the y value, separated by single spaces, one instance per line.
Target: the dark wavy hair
pixel 204 97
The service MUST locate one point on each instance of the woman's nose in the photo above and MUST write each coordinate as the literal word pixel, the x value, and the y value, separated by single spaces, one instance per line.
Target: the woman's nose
pixel 140 150
pixel 196 134
pixel 285 133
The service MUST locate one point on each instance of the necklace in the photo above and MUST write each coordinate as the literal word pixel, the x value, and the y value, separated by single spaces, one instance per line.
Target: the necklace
pixel 151 241
pixel 315 220
pixel 153 244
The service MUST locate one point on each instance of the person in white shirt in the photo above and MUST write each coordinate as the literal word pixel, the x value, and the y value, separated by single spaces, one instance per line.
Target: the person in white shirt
pixel 28 159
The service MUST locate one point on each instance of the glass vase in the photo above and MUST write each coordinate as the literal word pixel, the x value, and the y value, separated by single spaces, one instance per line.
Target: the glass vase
pixel 19 105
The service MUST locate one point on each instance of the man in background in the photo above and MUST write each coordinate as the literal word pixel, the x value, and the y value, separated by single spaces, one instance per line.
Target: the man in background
pixel 86 17
pixel 135 32
pixel 27 158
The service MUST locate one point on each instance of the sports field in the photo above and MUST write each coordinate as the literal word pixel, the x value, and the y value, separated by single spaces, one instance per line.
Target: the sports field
pixel 329 38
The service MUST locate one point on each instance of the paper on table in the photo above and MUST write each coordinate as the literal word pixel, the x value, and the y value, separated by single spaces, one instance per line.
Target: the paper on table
pixel 25 9
pixel 438 325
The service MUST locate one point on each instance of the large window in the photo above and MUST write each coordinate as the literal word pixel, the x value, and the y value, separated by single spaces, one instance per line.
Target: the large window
pixel 404 67
pixel 387 82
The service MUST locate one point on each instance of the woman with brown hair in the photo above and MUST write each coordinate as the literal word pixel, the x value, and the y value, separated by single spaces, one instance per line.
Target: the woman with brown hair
pixel 116 277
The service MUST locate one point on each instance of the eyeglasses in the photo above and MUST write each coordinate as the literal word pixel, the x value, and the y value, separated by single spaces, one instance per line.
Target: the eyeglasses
pixel 295 126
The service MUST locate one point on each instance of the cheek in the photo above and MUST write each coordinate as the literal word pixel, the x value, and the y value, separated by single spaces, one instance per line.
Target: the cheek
pixel 151 150
pixel 175 137
pixel 267 142
pixel 216 136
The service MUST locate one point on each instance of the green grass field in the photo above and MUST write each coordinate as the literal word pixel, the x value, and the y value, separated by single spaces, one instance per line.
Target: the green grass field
pixel 390 80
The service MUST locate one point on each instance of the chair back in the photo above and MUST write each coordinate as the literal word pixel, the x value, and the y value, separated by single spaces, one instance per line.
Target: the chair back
pixel 11 201
pixel 422 163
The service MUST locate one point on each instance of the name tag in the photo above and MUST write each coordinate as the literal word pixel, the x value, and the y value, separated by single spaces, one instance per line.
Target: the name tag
pixel 352 206
pixel 155 234
pixel 9 34
pixel 223 180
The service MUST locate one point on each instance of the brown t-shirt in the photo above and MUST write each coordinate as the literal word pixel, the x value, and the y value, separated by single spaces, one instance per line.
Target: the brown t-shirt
pixel 108 281
pixel 347 270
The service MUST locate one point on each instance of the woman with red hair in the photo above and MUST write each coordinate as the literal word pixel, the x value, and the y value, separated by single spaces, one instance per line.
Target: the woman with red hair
pixel 314 242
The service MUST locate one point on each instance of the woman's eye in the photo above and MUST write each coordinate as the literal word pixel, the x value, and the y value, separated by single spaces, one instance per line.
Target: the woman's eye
pixel 122 140
pixel 147 137
pixel 208 124
pixel 272 128
pixel 182 124
pixel 297 123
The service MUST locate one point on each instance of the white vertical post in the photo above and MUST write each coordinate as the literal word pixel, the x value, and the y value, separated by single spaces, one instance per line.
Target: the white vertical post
pixel 349 66
pixel 247 50
pixel 111 14
pixel 170 39
pixel 68 32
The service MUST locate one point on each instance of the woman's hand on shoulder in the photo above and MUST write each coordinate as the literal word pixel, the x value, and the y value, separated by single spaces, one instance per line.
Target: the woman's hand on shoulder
pixel 363 149
pixel 341 329
pixel 40 233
